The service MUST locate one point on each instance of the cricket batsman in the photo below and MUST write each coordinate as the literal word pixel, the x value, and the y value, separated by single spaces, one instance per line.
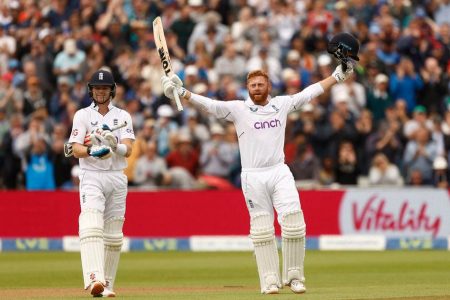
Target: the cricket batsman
pixel 267 182
pixel 103 185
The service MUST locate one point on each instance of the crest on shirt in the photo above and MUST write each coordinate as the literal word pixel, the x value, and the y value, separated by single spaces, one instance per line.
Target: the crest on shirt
pixel 115 122
pixel 94 123
pixel 275 108
pixel 254 109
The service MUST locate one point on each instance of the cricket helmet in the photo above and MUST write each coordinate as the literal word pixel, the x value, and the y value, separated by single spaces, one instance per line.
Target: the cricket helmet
pixel 102 78
pixel 344 45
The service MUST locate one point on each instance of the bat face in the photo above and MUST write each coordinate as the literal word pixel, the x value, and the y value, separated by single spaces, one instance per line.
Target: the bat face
pixel 164 60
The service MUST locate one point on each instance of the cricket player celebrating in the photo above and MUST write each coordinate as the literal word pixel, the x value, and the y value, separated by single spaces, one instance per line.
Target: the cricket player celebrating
pixel 101 144
pixel 267 182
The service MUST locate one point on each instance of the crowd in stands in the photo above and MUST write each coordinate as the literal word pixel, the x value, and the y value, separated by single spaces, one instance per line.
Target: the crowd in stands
pixel 388 125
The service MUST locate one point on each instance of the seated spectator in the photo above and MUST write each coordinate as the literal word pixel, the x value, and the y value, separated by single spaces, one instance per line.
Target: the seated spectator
pixel 177 178
pixel 383 172
pixel 326 174
pixel 305 165
pixel 216 155
pixel 184 155
pixel 164 128
pixel 347 168
pixel 39 169
pixel 148 167
pixel 419 155
pixel 440 173
pixel 379 99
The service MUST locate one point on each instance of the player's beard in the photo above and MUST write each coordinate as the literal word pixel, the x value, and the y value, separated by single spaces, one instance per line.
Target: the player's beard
pixel 260 97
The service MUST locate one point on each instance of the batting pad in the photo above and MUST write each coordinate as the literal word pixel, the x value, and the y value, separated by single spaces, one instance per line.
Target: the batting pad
pixel 293 230
pixel 113 238
pixel 91 246
pixel 262 234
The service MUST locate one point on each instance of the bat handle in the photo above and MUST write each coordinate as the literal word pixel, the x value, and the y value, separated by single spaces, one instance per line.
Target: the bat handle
pixel 177 100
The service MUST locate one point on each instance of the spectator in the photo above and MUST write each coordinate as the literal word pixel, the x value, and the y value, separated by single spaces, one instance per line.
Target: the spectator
pixel 148 167
pixel 39 174
pixel 184 155
pixel 440 173
pixel 383 172
pixel 216 155
pixel 347 167
pixel 379 99
pixel 419 155
pixel 305 165
pixel 70 61
pixel 405 83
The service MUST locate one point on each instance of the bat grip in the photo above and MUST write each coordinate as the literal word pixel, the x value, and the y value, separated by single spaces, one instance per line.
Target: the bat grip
pixel 177 100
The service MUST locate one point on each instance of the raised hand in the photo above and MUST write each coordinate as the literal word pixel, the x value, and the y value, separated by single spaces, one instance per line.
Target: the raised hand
pixel 340 75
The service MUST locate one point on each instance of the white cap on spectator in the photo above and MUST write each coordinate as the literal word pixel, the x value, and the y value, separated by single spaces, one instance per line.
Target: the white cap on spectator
pixel 293 55
pixel 324 60
pixel 70 46
pixel 195 2
pixel 342 97
pixel 217 129
pixel 440 163
pixel 380 78
pixel 308 107
pixel 14 4
pixel 184 137
pixel 44 33
pixel 200 88
pixel 288 74
pixel 191 70
pixel 165 111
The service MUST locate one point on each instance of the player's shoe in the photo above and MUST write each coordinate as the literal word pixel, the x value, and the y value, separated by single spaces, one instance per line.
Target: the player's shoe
pixel 96 288
pixel 297 286
pixel 107 293
pixel 272 289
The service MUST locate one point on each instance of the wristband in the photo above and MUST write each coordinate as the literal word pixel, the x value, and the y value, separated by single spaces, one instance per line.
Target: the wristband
pixel 121 149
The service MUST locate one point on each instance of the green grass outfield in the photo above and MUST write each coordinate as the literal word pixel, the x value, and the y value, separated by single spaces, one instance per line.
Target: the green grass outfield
pixel 219 275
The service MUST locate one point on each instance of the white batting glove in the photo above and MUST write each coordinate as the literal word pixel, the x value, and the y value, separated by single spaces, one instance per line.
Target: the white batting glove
pixel 109 138
pixel 173 83
pixel 96 138
pixel 340 75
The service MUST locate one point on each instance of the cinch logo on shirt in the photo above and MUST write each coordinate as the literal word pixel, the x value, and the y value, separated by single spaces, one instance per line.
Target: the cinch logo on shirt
pixel 267 124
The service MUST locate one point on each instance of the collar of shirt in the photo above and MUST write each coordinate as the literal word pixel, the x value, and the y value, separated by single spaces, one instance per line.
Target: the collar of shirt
pixel 95 106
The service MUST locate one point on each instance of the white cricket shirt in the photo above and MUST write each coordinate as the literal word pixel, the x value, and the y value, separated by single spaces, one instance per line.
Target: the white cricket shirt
pixel 87 119
pixel 260 129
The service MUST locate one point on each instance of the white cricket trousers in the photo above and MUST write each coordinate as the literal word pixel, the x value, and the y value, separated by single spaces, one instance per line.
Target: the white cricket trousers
pixel 105 191
pixel 268 188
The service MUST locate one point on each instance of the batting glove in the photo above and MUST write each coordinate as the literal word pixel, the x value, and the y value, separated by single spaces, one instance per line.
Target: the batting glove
pixel 340 75
pixel 100 151
pixel 173 83
pixel 109 138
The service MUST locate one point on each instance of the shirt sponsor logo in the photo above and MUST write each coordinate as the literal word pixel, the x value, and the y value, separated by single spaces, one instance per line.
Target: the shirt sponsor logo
pixel 94 123
pixel 267 124
pixel 254 109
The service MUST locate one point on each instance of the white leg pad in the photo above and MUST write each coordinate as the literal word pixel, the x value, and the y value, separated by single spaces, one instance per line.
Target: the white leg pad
pixel 293 230
pixel 91 246
pixel 262 234
pixel 113 238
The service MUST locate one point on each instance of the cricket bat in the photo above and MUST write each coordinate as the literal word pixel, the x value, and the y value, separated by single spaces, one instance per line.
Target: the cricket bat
pixel 161 47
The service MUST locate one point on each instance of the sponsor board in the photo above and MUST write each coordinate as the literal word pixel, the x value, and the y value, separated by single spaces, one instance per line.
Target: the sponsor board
pixel 31 244
pixel 159 244
pixel 352 242
pixel 72 244
pixel 395 213
pixel 221 243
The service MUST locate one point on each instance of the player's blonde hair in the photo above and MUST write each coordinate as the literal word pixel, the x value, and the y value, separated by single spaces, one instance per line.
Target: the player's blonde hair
pixel 256 73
